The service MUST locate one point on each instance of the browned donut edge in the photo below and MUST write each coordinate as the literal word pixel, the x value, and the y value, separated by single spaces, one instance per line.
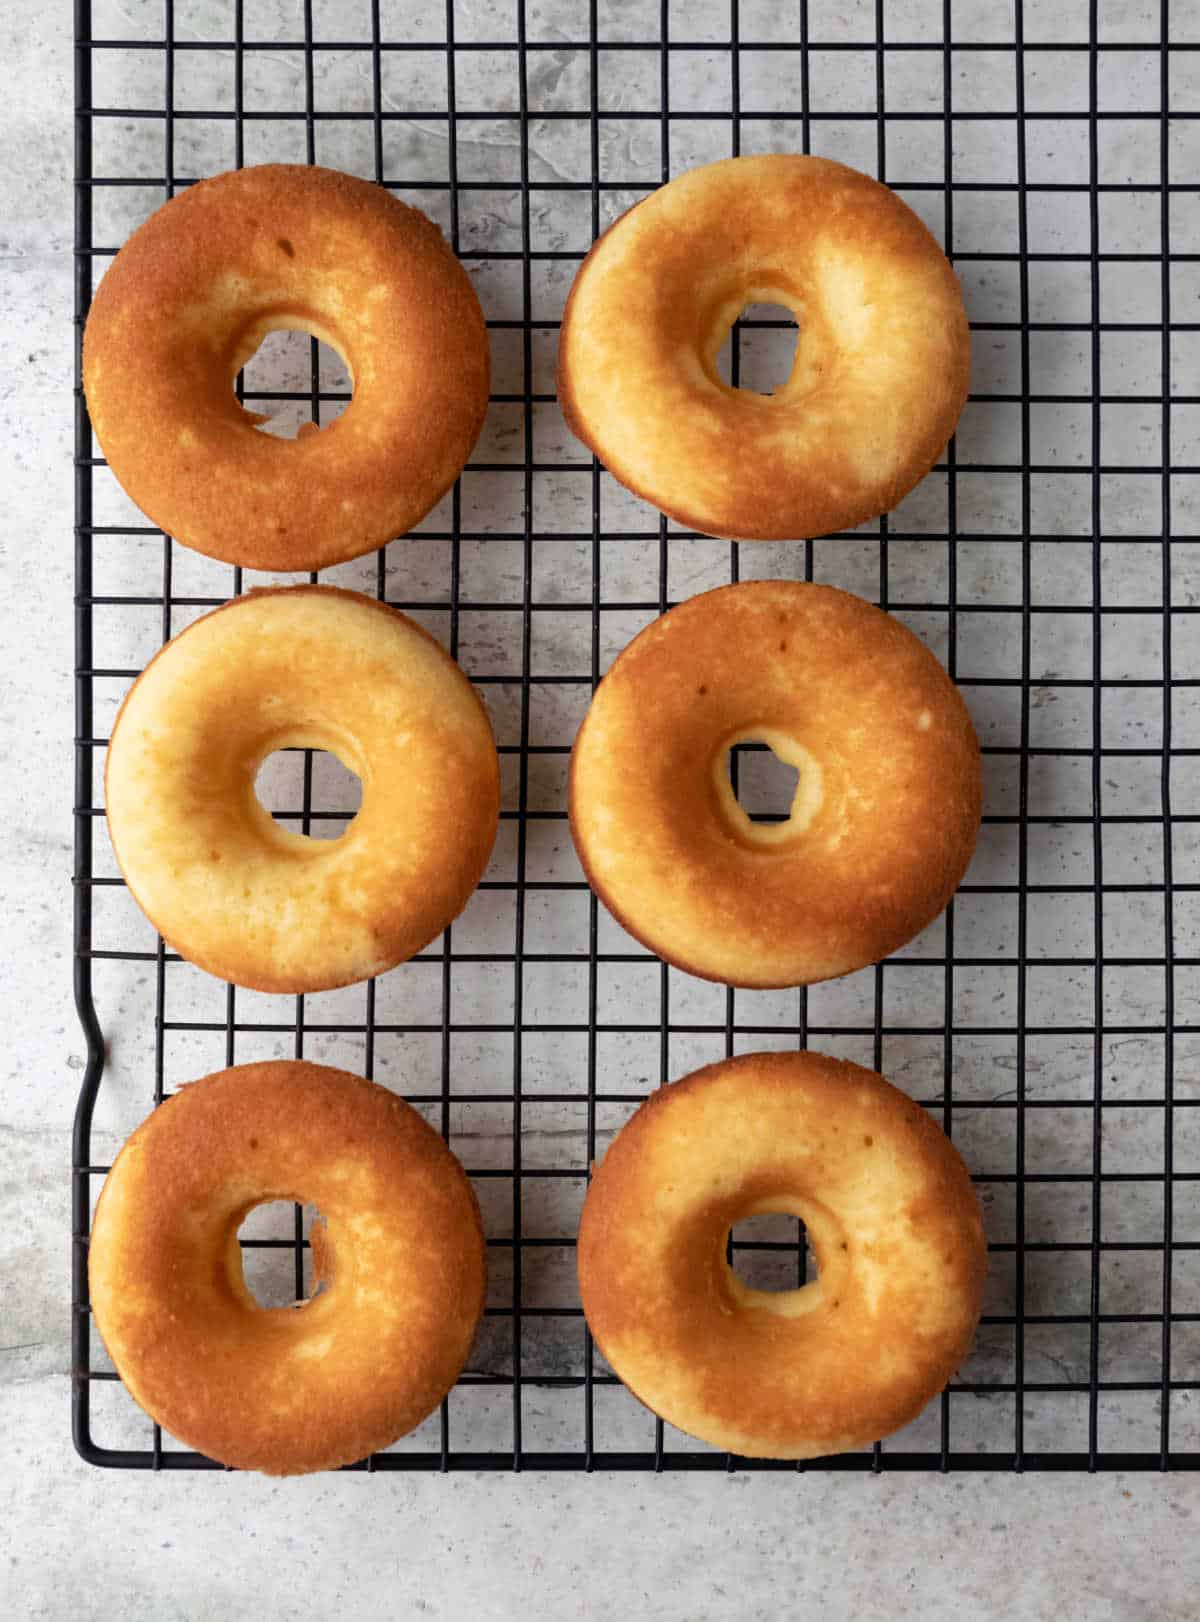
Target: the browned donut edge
pixel 211 965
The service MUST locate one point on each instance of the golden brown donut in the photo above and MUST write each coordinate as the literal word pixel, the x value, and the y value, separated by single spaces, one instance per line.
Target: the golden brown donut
pixel 192 295
pixel 892 1222
pixel 885 813
pixel 881 368
pixel 233 890
pixel 400 1250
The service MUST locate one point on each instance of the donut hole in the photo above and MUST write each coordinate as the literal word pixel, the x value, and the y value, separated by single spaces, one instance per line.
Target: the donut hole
pixel 764 785
pixel 291 779
pixel 277 1263
pixel 278 381
pixel 769 1251
pixel 759 350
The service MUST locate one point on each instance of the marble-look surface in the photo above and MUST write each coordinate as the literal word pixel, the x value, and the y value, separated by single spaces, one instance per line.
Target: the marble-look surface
pixel 82 1543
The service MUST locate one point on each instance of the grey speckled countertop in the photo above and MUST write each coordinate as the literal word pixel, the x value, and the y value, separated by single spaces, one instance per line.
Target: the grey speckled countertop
pixel 81 1543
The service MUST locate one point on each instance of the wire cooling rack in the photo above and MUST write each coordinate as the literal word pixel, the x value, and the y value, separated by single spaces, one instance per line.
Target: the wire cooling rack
pixel 1051 1020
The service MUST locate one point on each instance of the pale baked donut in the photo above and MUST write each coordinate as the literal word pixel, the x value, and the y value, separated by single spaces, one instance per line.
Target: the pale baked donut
pixel 227 886
pixel 885 813
pixel 881 367
pixel 891 1219
pixel 400 1251
pixel 192 295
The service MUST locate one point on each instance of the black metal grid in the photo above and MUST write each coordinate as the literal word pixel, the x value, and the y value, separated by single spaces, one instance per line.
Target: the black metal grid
pixel 1047 578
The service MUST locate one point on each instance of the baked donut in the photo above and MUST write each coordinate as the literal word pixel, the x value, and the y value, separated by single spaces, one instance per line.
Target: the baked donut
pixel 891 1219
pixel 227 886
pixel 399 1248
pixel 192 295
pixel 885 813
pixel 881 368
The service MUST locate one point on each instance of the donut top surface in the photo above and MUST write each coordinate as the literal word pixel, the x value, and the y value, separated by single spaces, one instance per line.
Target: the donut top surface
pixel 187 302
pixel 399 1252
pixel 881 367
pixel 232 889
pixel 891 1220
pixel 886 808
